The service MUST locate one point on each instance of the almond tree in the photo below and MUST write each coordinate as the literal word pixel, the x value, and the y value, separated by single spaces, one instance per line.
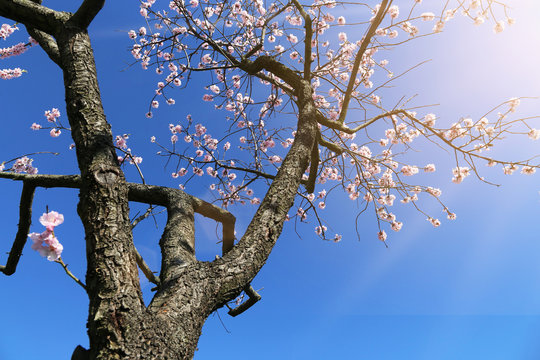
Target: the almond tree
pixel 288 47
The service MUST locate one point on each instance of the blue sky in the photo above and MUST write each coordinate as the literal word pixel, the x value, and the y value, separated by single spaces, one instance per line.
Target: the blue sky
pixel 466 290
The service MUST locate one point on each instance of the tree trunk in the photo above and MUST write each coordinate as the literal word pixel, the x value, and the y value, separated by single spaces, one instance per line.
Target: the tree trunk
pixel 119 325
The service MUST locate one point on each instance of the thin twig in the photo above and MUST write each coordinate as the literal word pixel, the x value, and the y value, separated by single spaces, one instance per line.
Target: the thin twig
pixel 70 274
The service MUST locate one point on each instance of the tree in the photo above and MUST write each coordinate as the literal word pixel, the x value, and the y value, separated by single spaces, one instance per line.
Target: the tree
pixel 189 290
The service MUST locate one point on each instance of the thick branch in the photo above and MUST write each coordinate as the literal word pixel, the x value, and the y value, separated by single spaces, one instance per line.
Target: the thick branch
pixel 146 269
pixel 32 15
pixel 307 40
pixel 25 219
pixel 45 181
pixel 239 266
pixel 275 67
pixel 358 60
pixel 162 196
pixel 253 298
pixel 314 165
pixel 86 13
pixel 47 43
pixel 226 219
pixel 330 146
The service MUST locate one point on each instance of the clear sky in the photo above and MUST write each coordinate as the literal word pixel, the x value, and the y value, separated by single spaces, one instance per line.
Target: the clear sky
pixel 467 290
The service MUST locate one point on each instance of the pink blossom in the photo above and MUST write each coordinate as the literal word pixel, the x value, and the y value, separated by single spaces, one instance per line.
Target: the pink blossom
pixel 393 11
pixel 528 170
pixel 206 59
pixel 135 160
pixel 534 134
pixel 7 74
pixel 35 126
pixel 509 169
pixel 320 229
pixel 121 142
pixel 514 103
pixel 55 132
pixel 429 168
pixel 181 172
pixel 434 191
pixel 198 171
pixel 479 20
pixel 499 27
pixel 341 20
pixel 382 235
pixel 439 26
pixel 6 30
pixel 396 225
pixel 14 50
pixel 427 16
pixel 51 219
pixel 434 222
pixel 47 245
pixel 52 115
pixel 275 159
pixel 24 164
pixel 460 173
pixel 409 170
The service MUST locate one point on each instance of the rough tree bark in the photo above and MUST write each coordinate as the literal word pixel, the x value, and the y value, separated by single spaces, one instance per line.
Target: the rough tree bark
pixel 119 325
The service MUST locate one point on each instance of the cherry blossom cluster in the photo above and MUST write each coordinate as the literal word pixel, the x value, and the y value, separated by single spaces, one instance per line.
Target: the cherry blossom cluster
pixel 15 50
pixel 52 117
pixel 121 144
pixel 208 160
pixel 7 74
pixel 215 37
pixel 20 165
pixel 6 30
pixel 46 243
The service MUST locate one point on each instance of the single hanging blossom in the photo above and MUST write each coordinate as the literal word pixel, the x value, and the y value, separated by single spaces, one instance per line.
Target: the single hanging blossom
pixel 46 243
pixel 51 219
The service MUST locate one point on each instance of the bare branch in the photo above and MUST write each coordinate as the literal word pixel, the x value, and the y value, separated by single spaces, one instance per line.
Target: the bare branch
pixel 69 273
pixel 146 269
pixel 321 119
pixel 218 214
